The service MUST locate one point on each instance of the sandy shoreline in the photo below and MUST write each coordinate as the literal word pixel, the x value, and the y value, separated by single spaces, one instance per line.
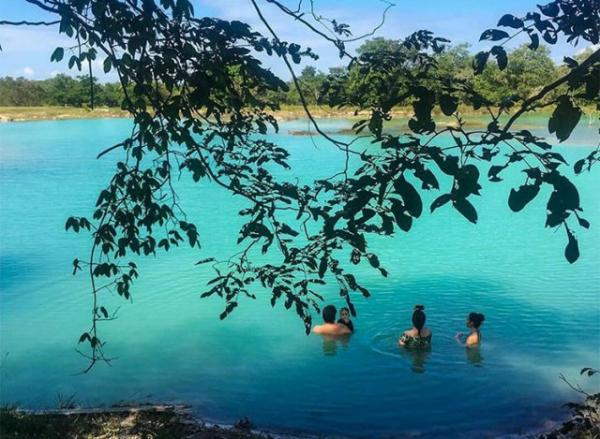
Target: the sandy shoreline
pixel 287 112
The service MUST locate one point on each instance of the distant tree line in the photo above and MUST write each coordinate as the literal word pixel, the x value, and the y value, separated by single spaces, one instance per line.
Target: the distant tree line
pixel 60 90
pixel 527 71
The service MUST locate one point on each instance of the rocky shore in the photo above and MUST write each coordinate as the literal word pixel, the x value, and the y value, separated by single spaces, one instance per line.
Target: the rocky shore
pixel 177 422
pixel 124 422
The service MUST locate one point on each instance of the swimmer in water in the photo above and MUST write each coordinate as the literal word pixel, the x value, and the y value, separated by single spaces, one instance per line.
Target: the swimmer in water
pixel 329 327
pixel 418 336
pixel 345 319
pixel 474 321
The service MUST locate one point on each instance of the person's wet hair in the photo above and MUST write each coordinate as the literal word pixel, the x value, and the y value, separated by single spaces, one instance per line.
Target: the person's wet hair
pixel 418 318
pixel 476 319
pixel 345 309
pixel 329 313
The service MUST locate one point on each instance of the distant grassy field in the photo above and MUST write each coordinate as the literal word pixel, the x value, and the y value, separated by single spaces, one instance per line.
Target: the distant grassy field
pixel 8 114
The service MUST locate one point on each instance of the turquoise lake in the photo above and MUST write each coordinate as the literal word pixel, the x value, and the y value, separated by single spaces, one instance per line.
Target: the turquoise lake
pixel 542 314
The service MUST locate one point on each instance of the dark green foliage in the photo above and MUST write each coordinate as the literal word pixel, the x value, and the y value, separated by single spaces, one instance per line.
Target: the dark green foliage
pixel 585 415
pixel 61 90
pixel 141 421
pixel 564 118
pixel 200 102
pixel 519 198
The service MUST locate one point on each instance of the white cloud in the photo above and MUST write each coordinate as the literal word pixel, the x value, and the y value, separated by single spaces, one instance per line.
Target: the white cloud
pixel 28 72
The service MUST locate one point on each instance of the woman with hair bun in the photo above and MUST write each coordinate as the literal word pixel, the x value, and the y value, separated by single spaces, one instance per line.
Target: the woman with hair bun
pixel 418 336
pixel 474 321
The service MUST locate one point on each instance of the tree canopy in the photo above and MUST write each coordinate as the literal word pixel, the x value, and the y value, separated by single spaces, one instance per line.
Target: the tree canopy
pixel 200 99
pixel 525 75
pixel 61 90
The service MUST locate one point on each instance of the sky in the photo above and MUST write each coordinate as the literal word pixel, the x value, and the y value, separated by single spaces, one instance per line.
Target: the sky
pixel 26 50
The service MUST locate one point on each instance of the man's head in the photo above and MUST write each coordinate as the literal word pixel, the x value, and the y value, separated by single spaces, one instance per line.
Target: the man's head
pixel 329 313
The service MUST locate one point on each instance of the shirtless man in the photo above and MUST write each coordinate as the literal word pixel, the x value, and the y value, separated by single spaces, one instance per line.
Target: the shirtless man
pixel 330 327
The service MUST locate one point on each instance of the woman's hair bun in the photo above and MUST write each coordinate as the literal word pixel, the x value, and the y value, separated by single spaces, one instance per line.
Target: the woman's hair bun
pixel 481 317
pixel 419 308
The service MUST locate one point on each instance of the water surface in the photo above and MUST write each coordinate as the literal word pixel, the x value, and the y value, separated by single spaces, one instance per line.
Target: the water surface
pixel 542 314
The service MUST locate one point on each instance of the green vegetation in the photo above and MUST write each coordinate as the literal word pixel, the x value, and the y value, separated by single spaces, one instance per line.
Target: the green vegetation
pixel 61 90
pixel 136 422
pixel 526 73
pixel 202 101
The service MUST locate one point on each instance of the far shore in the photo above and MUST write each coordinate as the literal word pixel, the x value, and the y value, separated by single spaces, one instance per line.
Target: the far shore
pixel 286 112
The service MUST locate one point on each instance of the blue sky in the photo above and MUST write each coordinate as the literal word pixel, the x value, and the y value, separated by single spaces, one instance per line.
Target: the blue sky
pixel 26 51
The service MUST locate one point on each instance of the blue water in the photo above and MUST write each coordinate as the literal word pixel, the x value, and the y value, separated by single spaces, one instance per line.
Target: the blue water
pixel 542 314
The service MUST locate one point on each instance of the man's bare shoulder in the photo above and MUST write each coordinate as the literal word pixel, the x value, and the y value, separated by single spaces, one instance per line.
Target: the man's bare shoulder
pixel 331 329
pixel 318 329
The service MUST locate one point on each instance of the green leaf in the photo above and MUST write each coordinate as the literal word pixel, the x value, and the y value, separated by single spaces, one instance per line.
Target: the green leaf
pixel 564 118
pixel 107 64
pixel 323 266
pixel 572 248
pixel 440 201
pixel 493 172
pixel 58 54
pixel 76 266
pixel 501 57
pixel 410 196
pixel 518 199
pixel 550 10
pixel 479 61
pixel 535 41
pixel 583 222
pixel 509 20
pixel 376 123
pixel 467 210
pixel 374 261
pixel 65 26
pixel 448 104
pixel 493 35
pixel 402 219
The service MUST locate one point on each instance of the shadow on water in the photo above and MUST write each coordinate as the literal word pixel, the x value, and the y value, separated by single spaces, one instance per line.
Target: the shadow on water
pixel 14 270
pixel 271 361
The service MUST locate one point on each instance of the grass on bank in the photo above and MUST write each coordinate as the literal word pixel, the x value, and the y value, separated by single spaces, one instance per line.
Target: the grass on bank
pixel 17 114
pixel 9 114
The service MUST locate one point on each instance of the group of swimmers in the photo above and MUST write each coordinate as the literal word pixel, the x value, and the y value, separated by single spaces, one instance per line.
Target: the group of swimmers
pixel 419 336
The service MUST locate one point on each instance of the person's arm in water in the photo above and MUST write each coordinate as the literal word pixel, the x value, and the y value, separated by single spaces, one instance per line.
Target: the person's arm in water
pixel 402 341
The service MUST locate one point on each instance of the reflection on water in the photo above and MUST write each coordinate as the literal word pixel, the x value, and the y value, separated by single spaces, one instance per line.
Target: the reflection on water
pixel 474 356
pixel 387 344
pixel 330 343
pixel 417 356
